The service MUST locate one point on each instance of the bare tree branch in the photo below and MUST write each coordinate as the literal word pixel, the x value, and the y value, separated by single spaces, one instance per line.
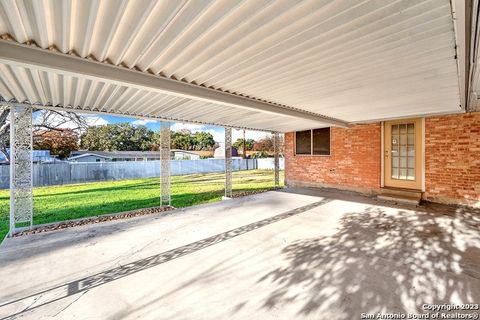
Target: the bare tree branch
pixel 4 132
pixel 45 120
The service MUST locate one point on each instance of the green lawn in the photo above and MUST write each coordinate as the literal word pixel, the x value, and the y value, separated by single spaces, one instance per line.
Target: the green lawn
pixel 58 203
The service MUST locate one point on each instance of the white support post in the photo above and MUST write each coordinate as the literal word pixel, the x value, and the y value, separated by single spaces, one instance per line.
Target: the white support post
pixel 276 159
pixel 21 167
pixel 165 198
pixel 228 163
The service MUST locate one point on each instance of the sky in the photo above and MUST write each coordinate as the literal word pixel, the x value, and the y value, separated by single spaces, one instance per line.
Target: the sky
pixel 217 132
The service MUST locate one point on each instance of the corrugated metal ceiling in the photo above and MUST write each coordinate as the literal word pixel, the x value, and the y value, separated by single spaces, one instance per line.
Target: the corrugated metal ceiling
pixel 355 61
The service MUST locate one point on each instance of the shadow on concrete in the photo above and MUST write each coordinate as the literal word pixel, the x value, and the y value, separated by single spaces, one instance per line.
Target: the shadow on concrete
pixel 352 196
pixel 90 282
pixel 381 262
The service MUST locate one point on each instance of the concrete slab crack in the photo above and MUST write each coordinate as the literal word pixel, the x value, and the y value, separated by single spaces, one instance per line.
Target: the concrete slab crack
pixel 71 303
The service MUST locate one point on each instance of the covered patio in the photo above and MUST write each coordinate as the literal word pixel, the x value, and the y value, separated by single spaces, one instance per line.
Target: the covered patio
pixel 301 254
pixel 280 66
pixel 348 67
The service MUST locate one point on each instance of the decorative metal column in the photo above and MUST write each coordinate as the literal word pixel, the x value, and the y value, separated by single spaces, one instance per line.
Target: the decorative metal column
pixel 228 162
pixel 21 165
pixel 276 159
pixel 165 199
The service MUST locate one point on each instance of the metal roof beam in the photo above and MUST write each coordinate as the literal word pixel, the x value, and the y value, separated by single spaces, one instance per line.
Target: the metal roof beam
pixel 17 54
pixel 461 13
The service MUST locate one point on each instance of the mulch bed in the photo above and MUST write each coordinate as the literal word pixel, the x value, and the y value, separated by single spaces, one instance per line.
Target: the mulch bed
pixel 118 216
pixel 240 194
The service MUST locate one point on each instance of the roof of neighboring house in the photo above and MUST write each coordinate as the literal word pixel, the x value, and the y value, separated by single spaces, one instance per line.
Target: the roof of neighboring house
pixel 197 153
pixel 88 155
pixel 122 154
pixel 37 155
pixel 117 154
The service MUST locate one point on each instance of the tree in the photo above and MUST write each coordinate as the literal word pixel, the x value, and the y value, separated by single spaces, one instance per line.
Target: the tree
pixel 4 132
pixel 59 142
pixel 124 136
pixel 143 137
pixel 264 144
pixel 203 140
pixel 96 139
pixel 59 120
pixel 52 120
pixel 260 154
pixel 186 140
pixel 182 139
pixel 248 144
pixel 156 141
pixel 117 137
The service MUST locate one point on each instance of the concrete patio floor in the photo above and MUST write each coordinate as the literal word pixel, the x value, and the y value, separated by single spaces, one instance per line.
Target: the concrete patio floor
pixel 301 254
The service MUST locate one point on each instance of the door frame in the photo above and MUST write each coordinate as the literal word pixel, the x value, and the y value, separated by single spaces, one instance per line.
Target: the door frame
pixel 382 154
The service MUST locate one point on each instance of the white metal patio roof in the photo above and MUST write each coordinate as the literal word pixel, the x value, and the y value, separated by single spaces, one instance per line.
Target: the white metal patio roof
pixel 278 65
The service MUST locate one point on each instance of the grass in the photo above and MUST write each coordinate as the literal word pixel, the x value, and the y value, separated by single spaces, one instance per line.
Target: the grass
pixel 59 203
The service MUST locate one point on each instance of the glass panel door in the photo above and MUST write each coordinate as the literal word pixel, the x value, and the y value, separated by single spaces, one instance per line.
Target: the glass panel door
pixel 403 151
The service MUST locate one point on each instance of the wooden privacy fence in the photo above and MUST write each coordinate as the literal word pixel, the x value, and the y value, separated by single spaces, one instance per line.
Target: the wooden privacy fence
pixel 68 172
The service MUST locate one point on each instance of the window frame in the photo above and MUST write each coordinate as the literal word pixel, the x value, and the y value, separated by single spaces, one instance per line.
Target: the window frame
pixel 311 144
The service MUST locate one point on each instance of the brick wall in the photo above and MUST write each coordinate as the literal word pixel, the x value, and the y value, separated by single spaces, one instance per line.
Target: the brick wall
pixel 452 158
pixel 354 163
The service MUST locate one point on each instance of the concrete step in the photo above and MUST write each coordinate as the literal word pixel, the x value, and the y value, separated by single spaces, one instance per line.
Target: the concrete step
pixel 406 196
pixel 401 192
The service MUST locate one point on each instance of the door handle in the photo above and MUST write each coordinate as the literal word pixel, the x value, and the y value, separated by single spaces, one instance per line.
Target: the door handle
pixel 386 153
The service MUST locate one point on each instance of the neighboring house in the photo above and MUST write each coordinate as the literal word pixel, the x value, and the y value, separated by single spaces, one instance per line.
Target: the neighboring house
pixel 219 152
pixel 178 154
pixel 38 156
pixel 115 156
pixel 90 156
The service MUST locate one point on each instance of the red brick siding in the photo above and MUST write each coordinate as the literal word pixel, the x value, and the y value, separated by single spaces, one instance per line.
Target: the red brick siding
pixel 354 162
pixel 452 158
